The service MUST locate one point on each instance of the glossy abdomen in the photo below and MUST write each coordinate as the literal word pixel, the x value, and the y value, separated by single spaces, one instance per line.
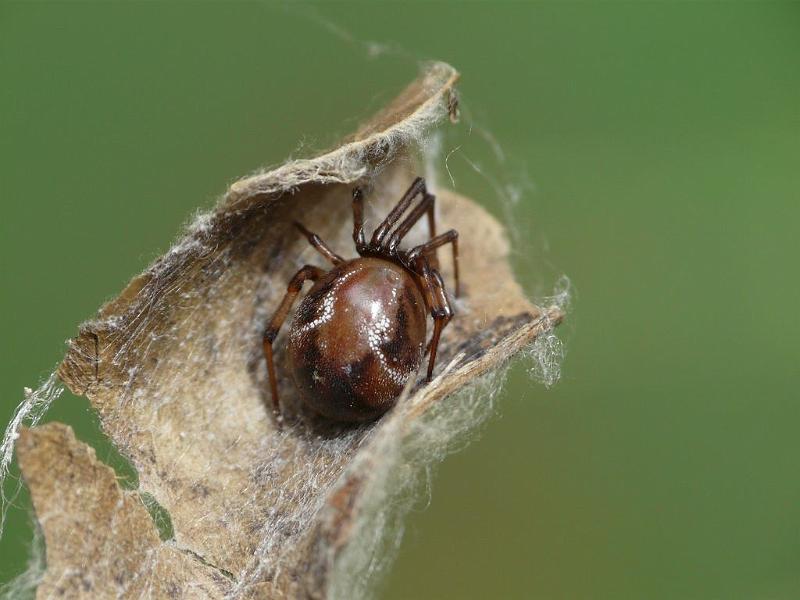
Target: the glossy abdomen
pixel 356 339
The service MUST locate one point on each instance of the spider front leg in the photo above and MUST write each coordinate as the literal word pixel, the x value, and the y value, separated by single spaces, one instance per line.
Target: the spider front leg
pixel 417 188
pixel 308 272
pixel 441 311
pixel 426 206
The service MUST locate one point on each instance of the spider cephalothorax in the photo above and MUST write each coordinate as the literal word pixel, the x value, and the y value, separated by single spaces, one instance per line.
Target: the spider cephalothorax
pixel 359 334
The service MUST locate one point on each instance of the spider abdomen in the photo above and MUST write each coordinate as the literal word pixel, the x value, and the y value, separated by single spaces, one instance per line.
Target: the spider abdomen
pixel 356 339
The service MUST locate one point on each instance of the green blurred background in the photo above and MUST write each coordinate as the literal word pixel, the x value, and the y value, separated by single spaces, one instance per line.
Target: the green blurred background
pixel 659 146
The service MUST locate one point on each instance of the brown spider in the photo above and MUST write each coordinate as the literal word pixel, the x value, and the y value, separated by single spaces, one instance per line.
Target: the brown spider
pixel 359 334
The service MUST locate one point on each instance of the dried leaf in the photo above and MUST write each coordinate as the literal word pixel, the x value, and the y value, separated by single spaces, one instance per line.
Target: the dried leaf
pixel 174 368
pixel 88 520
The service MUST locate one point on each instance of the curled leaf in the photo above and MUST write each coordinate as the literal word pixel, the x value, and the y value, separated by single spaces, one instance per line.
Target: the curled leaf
pixel 174 368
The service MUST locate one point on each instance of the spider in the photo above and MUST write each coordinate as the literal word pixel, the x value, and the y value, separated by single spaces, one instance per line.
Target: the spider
pixel 359 334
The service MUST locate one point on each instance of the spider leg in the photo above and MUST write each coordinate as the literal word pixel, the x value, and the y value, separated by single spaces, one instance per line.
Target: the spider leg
pixel 431 217
pixel 319 245
pixel 382 230
pixel 432 257
pixel 425 206
pixel 358 220
pixel 271 332
pixel 441 311
pixel 429 248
